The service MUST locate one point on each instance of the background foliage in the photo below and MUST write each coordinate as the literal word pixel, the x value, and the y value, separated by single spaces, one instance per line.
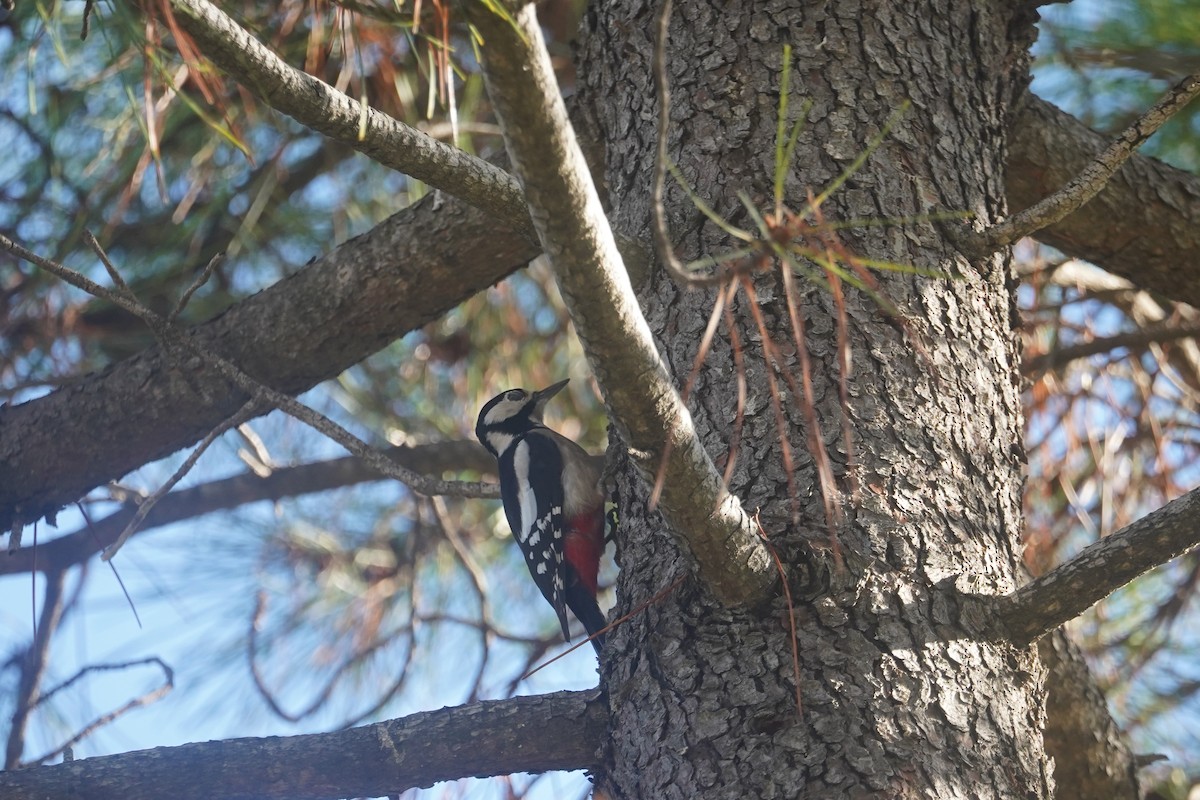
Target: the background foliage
pixel 369 602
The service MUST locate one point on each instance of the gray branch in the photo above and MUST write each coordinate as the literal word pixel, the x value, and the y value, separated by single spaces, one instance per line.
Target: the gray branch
pixel 1100 569
pixel 1144 225
pixel 238 490
pixel 330 315
pixel 560 731
pixel 1088 183
pixel 575 235
pixel 317 105
pixel 1136 341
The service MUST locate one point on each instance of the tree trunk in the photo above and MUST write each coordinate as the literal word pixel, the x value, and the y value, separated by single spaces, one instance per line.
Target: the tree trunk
pixel 899 698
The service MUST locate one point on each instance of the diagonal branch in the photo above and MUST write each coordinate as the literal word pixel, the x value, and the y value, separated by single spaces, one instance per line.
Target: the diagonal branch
pixel 1144 225
pixel 33 667
pixel 1133 340
pixel 560 731
pixel 573 231
pixel 261 395
pixel 407 271
pixel 1088 183
pixel 1099 570
pixel 317 105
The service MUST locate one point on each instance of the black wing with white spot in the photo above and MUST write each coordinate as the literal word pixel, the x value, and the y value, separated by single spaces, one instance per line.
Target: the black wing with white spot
pixel 530 472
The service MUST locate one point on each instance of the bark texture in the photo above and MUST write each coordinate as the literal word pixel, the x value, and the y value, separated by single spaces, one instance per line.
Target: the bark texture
pixel 564 730
pixel 899 697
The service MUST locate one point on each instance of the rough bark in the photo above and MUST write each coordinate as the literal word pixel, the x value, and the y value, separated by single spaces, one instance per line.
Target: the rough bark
pixel 1089 751
pixel 898 700
pixel 554 731
pixel 328 316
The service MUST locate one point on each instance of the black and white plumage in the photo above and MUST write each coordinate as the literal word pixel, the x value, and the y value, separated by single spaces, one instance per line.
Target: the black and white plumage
pixel 553 501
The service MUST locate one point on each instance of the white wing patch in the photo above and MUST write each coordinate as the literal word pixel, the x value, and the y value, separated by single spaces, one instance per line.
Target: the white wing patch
pixel 525 495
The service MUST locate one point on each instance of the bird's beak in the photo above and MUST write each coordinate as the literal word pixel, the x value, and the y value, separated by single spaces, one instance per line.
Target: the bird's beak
pixel 544 395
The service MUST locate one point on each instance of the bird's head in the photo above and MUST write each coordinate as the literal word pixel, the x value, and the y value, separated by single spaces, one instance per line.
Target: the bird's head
pixel 511 413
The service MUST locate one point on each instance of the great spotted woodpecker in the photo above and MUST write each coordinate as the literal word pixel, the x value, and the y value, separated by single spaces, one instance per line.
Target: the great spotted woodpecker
pixel 553 501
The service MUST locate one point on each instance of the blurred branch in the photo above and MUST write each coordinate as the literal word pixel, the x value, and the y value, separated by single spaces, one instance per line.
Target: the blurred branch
pixel 1099 570
pixel 33 667
pixel 1089 749
pixel 144 699
pixel 1060 357
pixel 712 525
pixel 78 546
pixel 560 731
pixel 261 395
pixel 1088 183
pixel 1144 225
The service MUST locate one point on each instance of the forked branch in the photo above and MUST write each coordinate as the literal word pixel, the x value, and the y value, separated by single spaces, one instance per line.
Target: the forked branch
pixel 709 521
pixel 1088 183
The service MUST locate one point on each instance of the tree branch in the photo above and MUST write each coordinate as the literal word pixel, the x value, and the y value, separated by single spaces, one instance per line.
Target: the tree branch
pixel 371 290
pixel 317 105
pixel 573 231
pixel 1144 225
pixel 1134 340
pixel 78 546
pixel 1099 570
pixel 1088 747
pixel 33 667
pixel 565 730
pixel 1088 183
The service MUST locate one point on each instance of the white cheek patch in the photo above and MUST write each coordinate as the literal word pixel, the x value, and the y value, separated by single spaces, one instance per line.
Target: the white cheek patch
pixel 501 411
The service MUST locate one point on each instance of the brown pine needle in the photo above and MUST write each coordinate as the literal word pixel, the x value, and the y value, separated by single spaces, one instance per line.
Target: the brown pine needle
pixel 772 362
pixel 714 320
pixel 791 607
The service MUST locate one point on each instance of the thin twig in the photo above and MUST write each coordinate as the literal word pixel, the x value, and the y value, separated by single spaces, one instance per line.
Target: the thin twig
pixel 657 598
pixel 90 239
pixel 91 529
pixel 1088 183
pixel 104 719
pixel 33 667
pixel 201 279
pixel 247 411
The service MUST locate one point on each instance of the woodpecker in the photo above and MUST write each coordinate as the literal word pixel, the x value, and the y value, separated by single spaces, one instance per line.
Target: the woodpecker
pixel 553 501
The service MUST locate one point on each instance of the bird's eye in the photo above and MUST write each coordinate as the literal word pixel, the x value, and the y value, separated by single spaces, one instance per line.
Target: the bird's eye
pixel 515 395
